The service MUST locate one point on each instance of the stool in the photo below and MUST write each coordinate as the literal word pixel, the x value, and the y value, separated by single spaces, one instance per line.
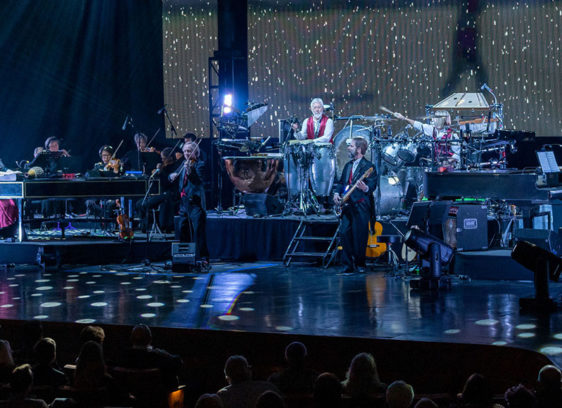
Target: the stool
pixel 392 256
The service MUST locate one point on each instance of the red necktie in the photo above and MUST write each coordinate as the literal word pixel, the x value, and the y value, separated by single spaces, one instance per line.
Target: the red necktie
pixel 350 175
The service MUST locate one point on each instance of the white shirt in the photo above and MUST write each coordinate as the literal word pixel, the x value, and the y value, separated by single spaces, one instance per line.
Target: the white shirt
pixel 441 134
pixel 328 131
pixel 354 168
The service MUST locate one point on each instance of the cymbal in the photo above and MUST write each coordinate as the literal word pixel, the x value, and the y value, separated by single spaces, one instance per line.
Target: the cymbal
pixel 377 118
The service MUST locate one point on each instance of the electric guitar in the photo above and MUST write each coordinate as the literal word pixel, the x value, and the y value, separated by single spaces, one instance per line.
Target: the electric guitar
pixel 338 208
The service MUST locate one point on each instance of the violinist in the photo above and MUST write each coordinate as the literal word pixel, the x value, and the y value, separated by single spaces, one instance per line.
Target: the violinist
pixel 109 165
pixel 191 177
pixel 167 200
pixel 143 158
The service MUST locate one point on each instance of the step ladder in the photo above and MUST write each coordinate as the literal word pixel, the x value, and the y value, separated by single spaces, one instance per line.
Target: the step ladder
pixel 302 237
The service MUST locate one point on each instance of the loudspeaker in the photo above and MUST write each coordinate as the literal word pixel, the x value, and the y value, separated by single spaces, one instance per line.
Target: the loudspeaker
pixel 183 256
pixel 261 205
pixel 466 227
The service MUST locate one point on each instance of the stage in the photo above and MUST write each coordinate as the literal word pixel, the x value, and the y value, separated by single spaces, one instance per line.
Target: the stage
pixel 266 297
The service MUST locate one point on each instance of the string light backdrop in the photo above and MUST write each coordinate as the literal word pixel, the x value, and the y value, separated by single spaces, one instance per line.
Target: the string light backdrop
pixel 399 54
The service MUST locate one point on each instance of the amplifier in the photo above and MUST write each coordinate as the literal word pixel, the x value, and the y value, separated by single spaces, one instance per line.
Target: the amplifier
pixel 183 255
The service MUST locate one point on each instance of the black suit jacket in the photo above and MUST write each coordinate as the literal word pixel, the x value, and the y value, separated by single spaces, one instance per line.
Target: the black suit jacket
pixel 371 181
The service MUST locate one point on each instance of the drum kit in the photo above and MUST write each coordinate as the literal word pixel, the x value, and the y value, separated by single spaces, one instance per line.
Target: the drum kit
pixel 308 169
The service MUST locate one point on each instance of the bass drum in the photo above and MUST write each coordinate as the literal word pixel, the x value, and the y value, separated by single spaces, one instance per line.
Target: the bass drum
pixel 323 168
pixel 340 144
pixel 389 195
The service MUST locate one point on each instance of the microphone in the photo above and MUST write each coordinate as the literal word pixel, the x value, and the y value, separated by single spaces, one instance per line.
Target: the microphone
pixel 161 110
pixel 125 123
pixel 486 87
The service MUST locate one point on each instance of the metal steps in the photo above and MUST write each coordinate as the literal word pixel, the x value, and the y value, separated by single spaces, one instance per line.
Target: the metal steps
pixel 296 248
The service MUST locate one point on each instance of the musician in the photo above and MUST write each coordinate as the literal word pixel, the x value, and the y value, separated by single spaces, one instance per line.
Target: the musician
pixel 441 131
pixel 167 200
pixel 143 158
pixel 318 127
pixel 52 144
pixel 192 200
pixel 108 167
pixel 359 209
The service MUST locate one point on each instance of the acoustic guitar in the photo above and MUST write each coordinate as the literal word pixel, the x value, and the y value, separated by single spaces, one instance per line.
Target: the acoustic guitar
pixel 375 248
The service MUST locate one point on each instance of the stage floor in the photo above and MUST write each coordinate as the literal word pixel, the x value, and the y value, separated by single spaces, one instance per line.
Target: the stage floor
pixel 267 297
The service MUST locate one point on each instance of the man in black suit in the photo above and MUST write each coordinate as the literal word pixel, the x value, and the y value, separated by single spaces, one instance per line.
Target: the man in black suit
pixel 359 208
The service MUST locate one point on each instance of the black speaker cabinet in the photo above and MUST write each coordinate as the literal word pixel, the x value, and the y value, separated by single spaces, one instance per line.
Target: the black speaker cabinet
pixel 183 256
pixel 466 227
pixel 461 225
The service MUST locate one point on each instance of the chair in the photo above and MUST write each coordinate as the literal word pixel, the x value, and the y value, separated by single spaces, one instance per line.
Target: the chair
pixel 148 387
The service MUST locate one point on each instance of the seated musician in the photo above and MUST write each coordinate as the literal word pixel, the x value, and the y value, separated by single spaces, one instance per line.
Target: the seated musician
pixel 48 158
pixel 192 201
pixel 167 200
pixel 109 166
pixel 143 158
pixel 447 150
pixel 318 127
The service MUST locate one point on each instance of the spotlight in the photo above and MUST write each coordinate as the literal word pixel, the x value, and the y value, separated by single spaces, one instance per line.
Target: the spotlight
pixel 434 254
pixel 227 104
pixel 544 264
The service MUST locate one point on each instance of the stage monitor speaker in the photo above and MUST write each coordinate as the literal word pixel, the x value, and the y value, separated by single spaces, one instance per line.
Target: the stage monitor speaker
pixel 183 256
pixel 261 205
pixel 466 227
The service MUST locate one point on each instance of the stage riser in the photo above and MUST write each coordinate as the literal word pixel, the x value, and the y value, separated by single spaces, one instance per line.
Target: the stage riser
pixel 90 253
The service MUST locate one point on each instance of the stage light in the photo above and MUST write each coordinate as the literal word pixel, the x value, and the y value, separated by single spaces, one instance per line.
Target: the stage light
pixel 434 254
pixel 544 265
pixel 227 104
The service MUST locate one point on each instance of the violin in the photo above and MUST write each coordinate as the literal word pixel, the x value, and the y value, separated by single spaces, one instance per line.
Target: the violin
pixel 150 150
pixel 114 164
pixel 125 231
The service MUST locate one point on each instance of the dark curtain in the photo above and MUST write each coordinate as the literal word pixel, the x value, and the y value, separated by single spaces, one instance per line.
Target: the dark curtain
pixel 74 69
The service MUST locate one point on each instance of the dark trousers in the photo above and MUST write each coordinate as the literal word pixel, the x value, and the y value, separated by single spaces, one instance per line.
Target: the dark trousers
pixel 354 233
pixel 193 228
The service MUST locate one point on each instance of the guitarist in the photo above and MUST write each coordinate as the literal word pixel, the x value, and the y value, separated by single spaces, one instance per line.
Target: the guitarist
pixel 359 209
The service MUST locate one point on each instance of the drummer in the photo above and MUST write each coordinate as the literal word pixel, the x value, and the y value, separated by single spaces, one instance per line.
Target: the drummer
pixel 318 127
pixel 441 131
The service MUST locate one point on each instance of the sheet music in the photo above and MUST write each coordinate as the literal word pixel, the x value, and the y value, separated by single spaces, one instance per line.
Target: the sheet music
pixel 548 163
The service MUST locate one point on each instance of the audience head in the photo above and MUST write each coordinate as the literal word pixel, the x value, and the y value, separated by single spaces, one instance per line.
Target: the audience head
pixel 6 357
pixel 399 395
pixel 90 366
pixel 426 403
pixel 363 368
pixel 209 401
pixel 237 369
pixel 45 351
pixel 519 397
pixel 550 377
pixel 270 399
pixel 141 336
pixel 295 354
pixel 21 380
pixel 327 391
pixel 476 390
pixel 92 333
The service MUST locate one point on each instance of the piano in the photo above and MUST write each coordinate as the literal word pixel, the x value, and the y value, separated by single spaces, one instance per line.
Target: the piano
pixel 75 188
pixel 505 185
